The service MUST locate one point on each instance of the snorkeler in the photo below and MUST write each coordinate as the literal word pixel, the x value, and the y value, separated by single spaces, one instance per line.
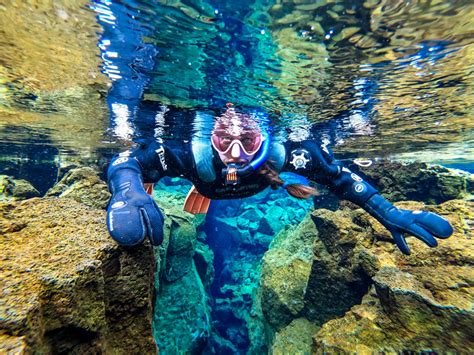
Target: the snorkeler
pixel 241 161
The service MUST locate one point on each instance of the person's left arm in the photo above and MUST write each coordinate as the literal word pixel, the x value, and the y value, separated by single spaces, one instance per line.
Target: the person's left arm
pixel 317 163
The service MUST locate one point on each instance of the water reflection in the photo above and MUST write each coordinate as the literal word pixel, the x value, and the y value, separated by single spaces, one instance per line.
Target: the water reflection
pixel 371 77
pixel 51 91
pixel 389 73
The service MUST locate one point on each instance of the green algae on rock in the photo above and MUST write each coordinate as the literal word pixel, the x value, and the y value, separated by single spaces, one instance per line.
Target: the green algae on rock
pixel 418 302
pixel 66 286
pixel 417 181
pixel 286 268
pixel 295 338
pixel 181 322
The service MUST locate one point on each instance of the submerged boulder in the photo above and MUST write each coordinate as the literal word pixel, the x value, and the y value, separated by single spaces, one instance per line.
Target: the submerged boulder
pixel 422 301
pixel 66 286
pixel 286 269
pixel 418 181
pixel 419 302
pixel 83 185
pixel 295 338
pixel 181 322
pixel 408 181
pixel 12 189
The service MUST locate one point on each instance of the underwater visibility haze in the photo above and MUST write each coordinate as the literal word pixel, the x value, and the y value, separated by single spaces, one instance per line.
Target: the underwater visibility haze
pixel 376 80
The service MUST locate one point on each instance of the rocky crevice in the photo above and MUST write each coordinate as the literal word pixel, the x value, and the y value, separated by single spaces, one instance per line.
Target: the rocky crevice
pixel 368 297
pixel 332 283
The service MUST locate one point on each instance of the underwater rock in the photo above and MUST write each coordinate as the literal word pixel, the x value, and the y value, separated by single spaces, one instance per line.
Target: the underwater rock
pixel 204 261
pixel 418 181
pixel 66 286
pixel 180 237
pixel 285 272
pixel 417 303
pixel 83 185
pixel 333 271
pixel 181 247
pixel 16 189
pixel 408 181
pixel 295 338
pixel 387 301
pixel 181 322
pixel 273 221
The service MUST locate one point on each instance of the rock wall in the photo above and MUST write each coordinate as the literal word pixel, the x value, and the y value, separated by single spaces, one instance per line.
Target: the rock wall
pixel 417 181
pixel 408 181
pixel 66 286
pixel 341 271
pixel 16 189
pixel 82 185
pixel 421 302
pixel 332 283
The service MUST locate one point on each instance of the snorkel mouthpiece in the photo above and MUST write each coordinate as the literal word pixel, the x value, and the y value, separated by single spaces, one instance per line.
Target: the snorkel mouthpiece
pixel 231 174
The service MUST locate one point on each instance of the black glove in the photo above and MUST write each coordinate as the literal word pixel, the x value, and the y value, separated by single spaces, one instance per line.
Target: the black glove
pixel 132 214
pixel 423 225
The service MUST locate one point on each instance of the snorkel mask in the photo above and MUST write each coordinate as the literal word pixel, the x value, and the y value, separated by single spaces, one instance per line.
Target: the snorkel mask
pixel 239 138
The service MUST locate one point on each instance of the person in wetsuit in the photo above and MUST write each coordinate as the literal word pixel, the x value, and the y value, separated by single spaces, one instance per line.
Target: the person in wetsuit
pixel 240 161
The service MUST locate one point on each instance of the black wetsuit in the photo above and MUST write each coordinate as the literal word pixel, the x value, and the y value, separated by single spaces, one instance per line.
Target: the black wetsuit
pixel 132 214
pixel 316 162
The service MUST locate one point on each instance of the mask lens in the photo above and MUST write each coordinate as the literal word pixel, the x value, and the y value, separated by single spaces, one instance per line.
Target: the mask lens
pixel 250 143
pixel 224 143
pixel 221 143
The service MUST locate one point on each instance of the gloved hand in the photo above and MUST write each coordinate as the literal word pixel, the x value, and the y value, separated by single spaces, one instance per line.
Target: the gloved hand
pixel 132 214
pixel 423 225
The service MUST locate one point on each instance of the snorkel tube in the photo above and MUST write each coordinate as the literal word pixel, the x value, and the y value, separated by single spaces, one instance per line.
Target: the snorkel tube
pixel 233 172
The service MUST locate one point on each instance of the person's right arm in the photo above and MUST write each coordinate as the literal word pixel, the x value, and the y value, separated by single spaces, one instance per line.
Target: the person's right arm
pixel 317 163
pixel 132 214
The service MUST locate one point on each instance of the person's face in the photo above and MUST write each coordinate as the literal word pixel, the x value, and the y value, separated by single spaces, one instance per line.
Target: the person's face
pixel 236 146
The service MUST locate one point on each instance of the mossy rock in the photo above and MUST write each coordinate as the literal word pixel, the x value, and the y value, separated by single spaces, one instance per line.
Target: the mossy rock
pixel 421 302
pixel 295 338
pixel 12 189
pixel 82 185
pixel 66 286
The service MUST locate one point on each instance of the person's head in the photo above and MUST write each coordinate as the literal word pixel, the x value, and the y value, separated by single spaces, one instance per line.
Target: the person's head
pixel 236 137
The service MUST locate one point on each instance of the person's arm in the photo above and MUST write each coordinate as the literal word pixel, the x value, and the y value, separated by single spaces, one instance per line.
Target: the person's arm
pixel 132 214
pixel 317 163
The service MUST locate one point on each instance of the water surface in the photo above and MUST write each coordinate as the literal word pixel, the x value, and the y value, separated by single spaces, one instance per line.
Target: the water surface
pixel 373 78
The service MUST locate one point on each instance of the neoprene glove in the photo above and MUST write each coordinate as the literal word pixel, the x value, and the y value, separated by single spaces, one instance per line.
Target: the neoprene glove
pixel 423 225
pixel 132 214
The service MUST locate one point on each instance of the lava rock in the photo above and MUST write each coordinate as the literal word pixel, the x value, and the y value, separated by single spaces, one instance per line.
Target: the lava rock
pixel 12 189
pixel 66 286
pixel 82 185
